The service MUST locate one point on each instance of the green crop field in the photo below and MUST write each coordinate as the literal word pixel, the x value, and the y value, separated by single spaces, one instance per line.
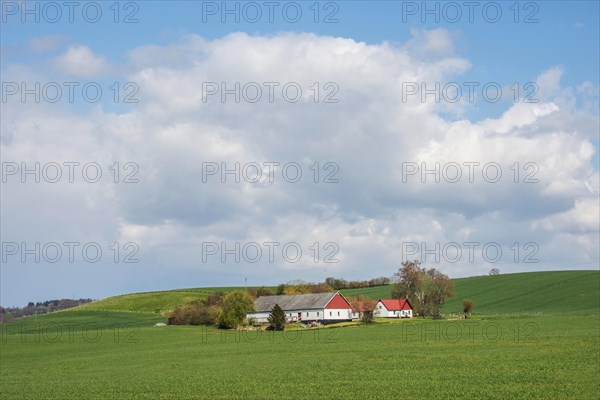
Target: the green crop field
pixel 536 336
pixel 528 357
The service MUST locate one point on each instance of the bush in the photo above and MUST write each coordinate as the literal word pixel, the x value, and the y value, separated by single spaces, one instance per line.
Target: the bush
pixel 235 307
pixel 228 320
pixel 263 291
pixel 467 307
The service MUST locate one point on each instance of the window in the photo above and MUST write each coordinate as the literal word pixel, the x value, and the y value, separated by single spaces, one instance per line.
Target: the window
pixel 307 314
pixel 330 313
pixel 317 313
pixel 338 313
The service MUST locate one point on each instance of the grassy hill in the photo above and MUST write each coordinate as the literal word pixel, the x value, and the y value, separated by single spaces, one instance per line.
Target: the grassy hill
pixel 152 301
pixel 554 292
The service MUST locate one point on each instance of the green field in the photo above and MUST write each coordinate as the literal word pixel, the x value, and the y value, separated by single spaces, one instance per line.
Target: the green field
pixel 533 292
pixel 537 336
pixel 557 292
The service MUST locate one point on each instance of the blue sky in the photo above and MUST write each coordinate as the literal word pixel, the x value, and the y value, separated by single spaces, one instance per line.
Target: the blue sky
pixel 370 51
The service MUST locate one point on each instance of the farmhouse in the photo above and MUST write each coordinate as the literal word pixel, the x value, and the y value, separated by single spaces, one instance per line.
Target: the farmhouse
pixel 323 307
pixel 393 308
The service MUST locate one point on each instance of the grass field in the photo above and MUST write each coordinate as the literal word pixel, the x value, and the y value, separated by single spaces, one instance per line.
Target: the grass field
pixel 500 358
pixel 537 336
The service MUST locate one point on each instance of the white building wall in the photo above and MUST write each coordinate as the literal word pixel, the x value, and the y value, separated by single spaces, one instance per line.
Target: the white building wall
pixel 338 314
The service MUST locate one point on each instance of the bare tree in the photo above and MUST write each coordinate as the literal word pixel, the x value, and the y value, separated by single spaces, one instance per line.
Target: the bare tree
pixel 425 289
pixel 409 284
pixel 365 307
pixel 438 287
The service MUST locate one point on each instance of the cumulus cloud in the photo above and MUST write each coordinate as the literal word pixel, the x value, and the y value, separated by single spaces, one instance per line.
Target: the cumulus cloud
pixel 80 61
pixel 369 209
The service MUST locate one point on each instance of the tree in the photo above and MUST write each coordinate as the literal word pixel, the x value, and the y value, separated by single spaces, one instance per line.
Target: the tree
pixel 425 289
pixel 336 283
pixel 280 289
pixel 300 289
pixel 409 284
pixel 263 291
pixel 321 288
pixel 438 287
pixel 276 318
pixel 235 307
pixel 365 307
pixel 467 307
pixel 494 271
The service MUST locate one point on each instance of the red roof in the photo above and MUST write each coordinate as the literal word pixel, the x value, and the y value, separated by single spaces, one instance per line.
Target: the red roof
pixel 396 304
pixel 338 301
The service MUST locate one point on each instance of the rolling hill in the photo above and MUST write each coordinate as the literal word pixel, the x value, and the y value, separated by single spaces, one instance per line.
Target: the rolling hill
pixel 552 292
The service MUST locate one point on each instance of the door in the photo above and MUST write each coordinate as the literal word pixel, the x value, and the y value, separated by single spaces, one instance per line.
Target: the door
pixel 299 316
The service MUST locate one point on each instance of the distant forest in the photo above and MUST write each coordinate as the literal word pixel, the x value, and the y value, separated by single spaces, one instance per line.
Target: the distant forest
pixel 9 313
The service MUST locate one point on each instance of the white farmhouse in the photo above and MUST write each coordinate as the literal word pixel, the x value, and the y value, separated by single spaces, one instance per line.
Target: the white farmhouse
pixel 393 308
pixel 323 307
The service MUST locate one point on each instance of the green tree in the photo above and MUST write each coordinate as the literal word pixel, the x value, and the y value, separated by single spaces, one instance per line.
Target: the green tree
pixel 280 289
pixel 235 307
pixel 276 318
pixel 263 291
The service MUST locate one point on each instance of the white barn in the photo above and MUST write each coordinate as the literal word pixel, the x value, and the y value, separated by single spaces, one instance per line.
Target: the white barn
pixel 323 307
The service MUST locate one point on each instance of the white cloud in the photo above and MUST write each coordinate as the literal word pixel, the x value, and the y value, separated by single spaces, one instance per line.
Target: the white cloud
pixel 369 134
pixel 583 217
pixel 80 61
pixel 432 43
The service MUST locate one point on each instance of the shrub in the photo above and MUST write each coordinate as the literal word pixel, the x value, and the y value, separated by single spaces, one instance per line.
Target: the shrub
pixel 235 307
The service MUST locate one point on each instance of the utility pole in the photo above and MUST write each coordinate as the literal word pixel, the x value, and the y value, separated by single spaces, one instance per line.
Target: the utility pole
pixel 245 281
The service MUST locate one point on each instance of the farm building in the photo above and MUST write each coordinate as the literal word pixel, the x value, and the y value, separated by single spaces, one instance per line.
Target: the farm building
pixel 323 307
pixel 394 308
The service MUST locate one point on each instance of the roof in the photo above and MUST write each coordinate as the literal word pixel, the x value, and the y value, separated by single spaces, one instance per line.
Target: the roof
pixel 395 304
pixel 294 301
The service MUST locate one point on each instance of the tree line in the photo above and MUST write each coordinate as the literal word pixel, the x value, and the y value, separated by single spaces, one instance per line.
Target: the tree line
pixel 9 313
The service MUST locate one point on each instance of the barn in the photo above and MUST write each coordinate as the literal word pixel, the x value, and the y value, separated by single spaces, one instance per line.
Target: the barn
pixel 322 307
pixel 394 308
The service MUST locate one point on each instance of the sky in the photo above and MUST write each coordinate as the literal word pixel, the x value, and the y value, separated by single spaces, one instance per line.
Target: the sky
pixel 156 145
